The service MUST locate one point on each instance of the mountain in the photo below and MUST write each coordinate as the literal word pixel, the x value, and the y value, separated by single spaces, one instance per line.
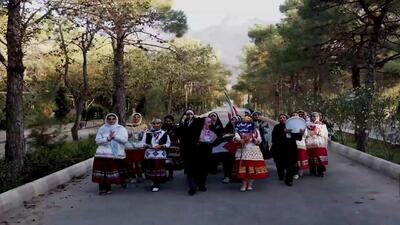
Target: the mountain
pixel 228 39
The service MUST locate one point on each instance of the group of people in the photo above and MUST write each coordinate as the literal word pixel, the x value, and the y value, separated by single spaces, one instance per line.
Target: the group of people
pixel 199 144
pixel 294 153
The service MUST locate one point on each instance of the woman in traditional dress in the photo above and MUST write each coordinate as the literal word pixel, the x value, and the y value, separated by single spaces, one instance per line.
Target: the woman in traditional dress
pixel 316 142
pixel 302 156
pixel 249 164
pixel 263 127
pixel 155 141
pixel 108 164
pixel 134 149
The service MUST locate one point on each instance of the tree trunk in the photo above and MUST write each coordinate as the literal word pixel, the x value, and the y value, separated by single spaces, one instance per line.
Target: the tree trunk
pixel 79 106
pixel 277 100
pixel 355 77
pixel 119 96
pixel 362 128
pixel 356 81
pixel 15 146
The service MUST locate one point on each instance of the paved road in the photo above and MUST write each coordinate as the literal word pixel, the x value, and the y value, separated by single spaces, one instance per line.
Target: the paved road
pixel 349 194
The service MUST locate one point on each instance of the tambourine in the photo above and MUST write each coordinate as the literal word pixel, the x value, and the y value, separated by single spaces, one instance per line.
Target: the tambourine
pixel 295 124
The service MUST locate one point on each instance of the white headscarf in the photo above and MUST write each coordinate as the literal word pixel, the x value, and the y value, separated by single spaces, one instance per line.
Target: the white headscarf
pixel 140 120
pixel 115 147
pixel 115 125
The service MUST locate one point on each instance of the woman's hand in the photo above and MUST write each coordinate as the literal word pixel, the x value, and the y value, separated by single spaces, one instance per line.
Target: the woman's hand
pixel 111 136
pixel 287 130
pixel 158 146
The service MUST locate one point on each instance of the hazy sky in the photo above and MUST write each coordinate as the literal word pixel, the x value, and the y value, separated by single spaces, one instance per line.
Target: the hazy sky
pixel 205 13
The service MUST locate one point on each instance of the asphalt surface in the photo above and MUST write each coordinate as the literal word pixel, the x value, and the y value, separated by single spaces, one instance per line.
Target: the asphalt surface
pixel 348 194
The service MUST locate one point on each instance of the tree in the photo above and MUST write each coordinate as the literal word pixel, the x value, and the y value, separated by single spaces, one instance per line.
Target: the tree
pixel 83 32
pixel 365 33
pixel 130 22
pixel 23 20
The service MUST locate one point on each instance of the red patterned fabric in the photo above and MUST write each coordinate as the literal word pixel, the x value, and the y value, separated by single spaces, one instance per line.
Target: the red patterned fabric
pixel 232 146
pixel 108 171
pixel 302 159
pixel 155 170
pixel 134 162
pixel 318 156
pixel 249 169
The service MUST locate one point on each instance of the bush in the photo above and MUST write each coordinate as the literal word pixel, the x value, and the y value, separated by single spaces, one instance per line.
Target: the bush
pixel 44 161
pixel 9 176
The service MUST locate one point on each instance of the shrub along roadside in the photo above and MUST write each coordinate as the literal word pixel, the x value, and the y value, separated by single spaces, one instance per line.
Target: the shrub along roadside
pixel 45 161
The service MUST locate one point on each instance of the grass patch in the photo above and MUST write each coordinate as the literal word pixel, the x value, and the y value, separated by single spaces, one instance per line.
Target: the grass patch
pixel 375 147
pixel 45 161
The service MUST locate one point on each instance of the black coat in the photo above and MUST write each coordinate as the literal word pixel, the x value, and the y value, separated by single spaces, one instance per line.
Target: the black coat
pixel 281 143
pixel 189 138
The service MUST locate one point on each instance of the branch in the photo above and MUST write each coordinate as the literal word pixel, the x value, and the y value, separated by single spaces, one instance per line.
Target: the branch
pixel 3 60
pixel 140 45
pixel 384 61
pixel 3 42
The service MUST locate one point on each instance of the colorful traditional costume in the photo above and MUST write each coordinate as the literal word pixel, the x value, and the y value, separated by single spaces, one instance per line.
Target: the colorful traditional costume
pixel 108 164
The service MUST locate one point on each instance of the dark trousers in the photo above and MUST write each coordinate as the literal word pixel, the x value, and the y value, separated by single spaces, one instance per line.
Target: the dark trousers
pixel 104 187
pixel 286 164
pixel 198 165
pixel 156 184
pixel 227 160
pixel 317 170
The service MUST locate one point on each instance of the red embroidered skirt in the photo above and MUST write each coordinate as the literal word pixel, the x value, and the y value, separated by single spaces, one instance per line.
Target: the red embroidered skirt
pixel 108 171
pixel 249 169
pixel 155 169
pixel 302 159
pixel 133 161
pixel 318 156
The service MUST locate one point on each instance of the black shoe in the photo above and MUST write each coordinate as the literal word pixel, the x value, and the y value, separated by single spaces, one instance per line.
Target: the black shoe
pixel 321 174
pixel 192 191
pixel 289 183
pixel 202 188
pixel 280 178
pixel 124 185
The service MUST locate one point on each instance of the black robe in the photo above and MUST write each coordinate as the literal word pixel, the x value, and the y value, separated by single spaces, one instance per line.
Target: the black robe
pixel 189 137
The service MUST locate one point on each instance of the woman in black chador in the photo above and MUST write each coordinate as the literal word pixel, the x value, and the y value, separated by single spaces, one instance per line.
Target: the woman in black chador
pixel 284 150
pixel 195 156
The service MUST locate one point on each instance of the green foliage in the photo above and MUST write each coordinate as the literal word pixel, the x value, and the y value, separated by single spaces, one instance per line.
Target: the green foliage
pixel 44 161
pixel 10 176
pixel 155 103
pixel 175 22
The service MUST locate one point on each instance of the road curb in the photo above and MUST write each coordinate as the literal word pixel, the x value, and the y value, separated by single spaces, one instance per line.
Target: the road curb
pixel 16 197
pixel 383 166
